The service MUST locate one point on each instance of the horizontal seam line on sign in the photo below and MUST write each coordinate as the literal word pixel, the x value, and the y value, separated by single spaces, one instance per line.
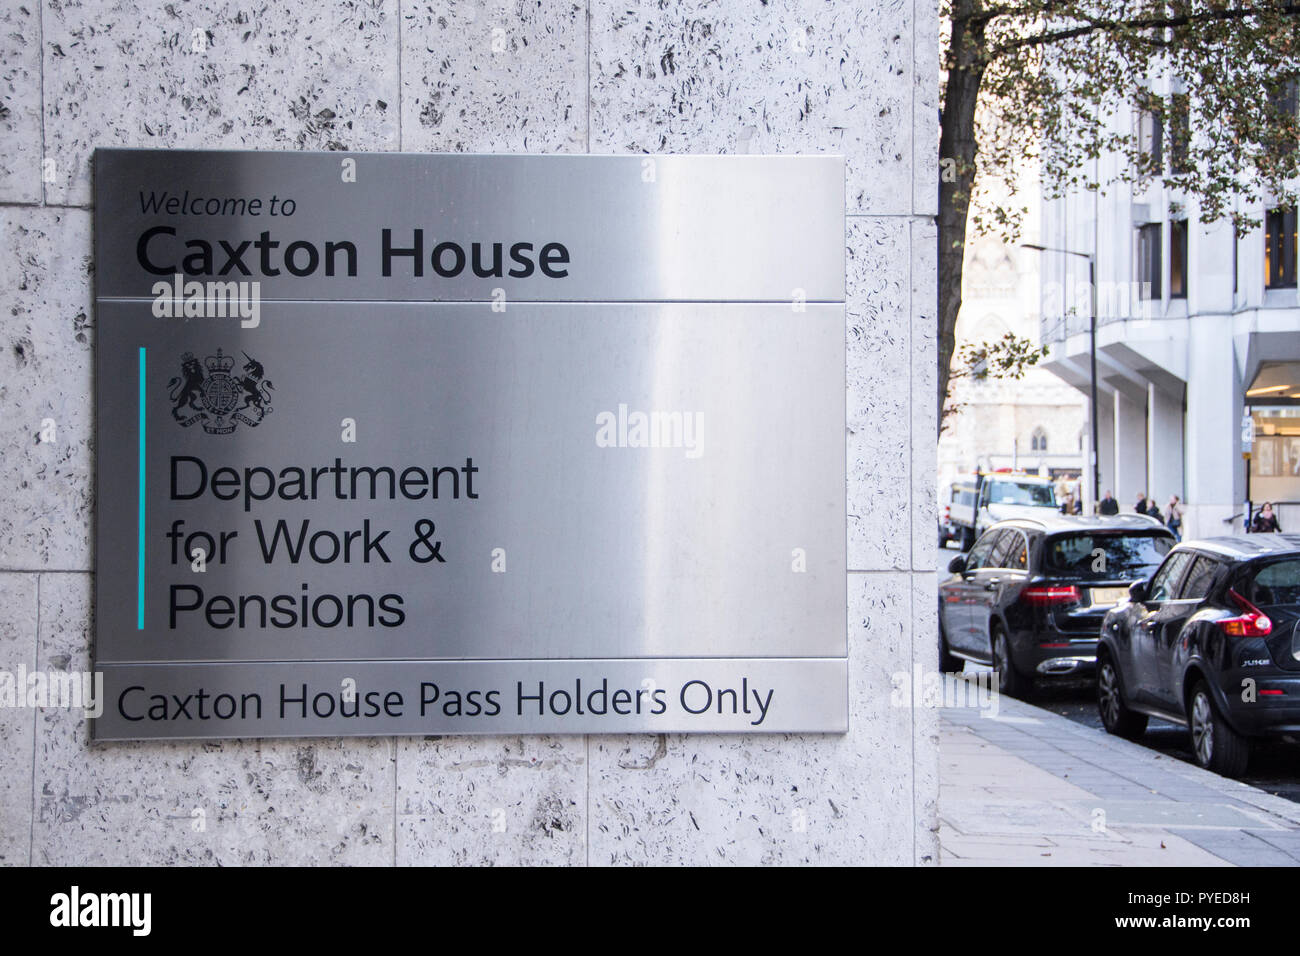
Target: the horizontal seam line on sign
pixel 483 660
pixel 509 302
pixel 847 215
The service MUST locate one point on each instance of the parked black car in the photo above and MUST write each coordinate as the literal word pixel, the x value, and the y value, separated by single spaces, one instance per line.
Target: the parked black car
pixel 1030 596
pixel 1211 641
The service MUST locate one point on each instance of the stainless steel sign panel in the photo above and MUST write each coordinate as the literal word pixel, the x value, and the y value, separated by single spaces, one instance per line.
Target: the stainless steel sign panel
pixel 473 494
pixel 713 695
pixel 606 551
pixel 618 228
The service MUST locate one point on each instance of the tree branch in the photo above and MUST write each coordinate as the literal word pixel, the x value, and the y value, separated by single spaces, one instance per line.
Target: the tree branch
pixel 1094 25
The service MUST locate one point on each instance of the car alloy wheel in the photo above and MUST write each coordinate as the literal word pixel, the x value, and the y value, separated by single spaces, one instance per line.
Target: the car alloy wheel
pixel 1202 729
pixel 1009 680
pixel 1108 695
pixel 1217 745
pixel 1000 660
pixel 1115 715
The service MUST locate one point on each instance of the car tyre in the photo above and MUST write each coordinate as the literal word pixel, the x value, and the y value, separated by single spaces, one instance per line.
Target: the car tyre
pixel 1010 681
pixel 1216 745
pixel 949 663
pixel 1115 715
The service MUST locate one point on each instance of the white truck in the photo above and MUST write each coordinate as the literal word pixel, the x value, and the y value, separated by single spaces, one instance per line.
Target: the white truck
pixel 984 498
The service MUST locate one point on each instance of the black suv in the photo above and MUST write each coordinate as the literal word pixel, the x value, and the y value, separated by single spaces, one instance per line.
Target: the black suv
pixel 1030 596
pixel 1211 641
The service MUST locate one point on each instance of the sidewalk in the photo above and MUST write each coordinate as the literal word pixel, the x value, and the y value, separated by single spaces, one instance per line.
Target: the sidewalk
pixel 1031 788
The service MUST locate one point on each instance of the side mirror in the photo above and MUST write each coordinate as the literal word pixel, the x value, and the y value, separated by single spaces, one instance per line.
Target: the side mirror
pixel 1137 591
pixel 957 565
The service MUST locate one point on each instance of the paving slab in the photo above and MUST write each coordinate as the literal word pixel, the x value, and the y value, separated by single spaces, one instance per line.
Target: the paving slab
pixel 1026 787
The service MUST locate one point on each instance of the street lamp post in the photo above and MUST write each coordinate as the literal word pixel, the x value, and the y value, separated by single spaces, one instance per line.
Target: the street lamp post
pixel 1092 354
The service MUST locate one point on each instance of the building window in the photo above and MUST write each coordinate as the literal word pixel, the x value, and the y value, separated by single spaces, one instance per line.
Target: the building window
pixel 1279 249
pixel 1038 441
pixel 1282 103
pixel 1151 140
pixel 1149 269
pixel 1178 259
pixel 1180 134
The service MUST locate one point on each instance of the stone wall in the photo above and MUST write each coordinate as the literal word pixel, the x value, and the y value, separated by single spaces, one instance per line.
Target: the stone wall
pixel 731 76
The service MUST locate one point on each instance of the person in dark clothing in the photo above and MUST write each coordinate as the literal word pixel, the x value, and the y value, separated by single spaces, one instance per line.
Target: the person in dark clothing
pixel 1141 506
pixel 1152 511
pixel 1108 505
pixel 1265 521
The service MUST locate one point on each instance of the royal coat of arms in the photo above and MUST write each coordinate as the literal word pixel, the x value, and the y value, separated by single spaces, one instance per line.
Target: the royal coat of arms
pixel 210 394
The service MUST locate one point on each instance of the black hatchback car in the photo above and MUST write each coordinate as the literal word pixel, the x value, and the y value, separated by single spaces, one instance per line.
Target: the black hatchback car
pixel 1030 596
pixel 1211 641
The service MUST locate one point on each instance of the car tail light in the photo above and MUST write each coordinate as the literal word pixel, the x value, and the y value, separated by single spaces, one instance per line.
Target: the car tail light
pixel 1050 595
pixel 1251 622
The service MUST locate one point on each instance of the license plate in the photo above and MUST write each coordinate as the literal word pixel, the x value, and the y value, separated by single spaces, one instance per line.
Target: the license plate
pixel 1108 595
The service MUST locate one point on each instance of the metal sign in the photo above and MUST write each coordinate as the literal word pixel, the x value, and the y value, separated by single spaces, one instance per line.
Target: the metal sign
pixel 402 444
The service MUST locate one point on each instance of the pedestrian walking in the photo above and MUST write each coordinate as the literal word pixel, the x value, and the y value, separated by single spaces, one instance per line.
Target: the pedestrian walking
pixel 1141 506
pixel 1152 511
pixel 1108 505
pixel 1174 517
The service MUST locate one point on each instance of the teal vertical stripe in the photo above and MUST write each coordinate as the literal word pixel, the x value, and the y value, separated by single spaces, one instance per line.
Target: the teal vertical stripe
pixel 139 557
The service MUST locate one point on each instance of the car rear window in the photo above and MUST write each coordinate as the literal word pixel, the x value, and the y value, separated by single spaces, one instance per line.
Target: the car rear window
pixel 1275 583
pixel 1015 493
pixel 1089 556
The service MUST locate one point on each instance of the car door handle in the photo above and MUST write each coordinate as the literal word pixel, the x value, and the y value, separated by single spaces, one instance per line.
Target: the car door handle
pixel 992 584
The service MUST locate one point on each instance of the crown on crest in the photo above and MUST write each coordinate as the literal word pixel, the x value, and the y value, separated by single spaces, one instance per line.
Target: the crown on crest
pixel 219 362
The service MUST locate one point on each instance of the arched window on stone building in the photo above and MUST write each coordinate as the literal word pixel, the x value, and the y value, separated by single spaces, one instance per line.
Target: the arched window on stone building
pixel 1038 441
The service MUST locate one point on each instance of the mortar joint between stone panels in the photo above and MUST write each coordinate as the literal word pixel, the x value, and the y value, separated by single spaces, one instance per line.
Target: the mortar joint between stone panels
pixel 912 98
pixel 401 120
pixel 46 571
pixel 40 66
pixel 911 484
pixel 587 19
pixel 396 753
pixel 9 203
pixel 586 759
pixel 888 215
pixel 36 659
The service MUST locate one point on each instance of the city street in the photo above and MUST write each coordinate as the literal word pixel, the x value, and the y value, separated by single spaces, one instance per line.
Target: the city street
pixel 1274 767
